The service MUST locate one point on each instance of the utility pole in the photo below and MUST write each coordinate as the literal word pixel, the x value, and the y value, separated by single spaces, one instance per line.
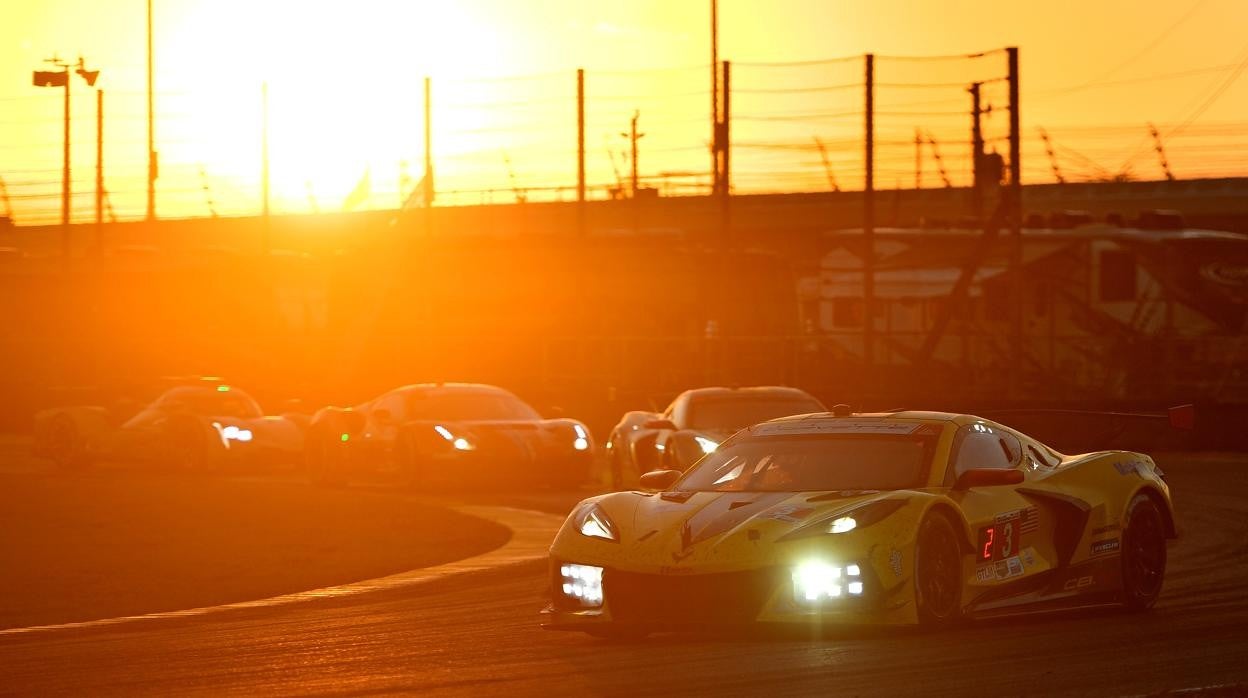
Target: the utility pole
pixel 65 180
pixel 715 145
pixel 428 178
pixel 580 153
pixel 977 154
pixel 918 159
pixel 633 137
pixel 725 172
pixel 264 149
pixel 265 229
pixel 868 222
pixel 1016 227
pixel 99 172
pixel 44 78
pixel 151 126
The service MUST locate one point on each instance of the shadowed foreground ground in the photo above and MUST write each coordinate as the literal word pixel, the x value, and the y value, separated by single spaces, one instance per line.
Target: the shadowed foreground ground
pixel 106 543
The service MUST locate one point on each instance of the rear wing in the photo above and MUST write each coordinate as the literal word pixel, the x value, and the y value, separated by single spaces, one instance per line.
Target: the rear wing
pixel 1080 431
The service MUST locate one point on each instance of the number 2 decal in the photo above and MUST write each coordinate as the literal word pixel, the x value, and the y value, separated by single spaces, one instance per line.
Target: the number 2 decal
pixel 987 552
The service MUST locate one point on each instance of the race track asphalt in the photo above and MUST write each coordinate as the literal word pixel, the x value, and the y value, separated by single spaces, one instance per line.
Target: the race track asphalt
pixel 478 634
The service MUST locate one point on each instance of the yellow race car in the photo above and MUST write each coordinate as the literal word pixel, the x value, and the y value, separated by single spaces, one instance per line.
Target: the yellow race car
pixel 885 518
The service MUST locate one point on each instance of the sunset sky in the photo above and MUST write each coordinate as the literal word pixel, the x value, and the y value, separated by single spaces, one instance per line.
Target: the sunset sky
pixel 345 94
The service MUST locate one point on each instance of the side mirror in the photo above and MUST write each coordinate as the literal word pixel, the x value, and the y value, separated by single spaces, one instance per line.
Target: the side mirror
pixel 988 477
pixel 658 424
pixel 659 479
pixel 382 416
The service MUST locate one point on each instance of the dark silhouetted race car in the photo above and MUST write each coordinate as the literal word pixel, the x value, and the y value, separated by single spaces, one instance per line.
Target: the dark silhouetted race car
pixel 694 424
pixel 448 434
pixel 201 424
pixel 893 518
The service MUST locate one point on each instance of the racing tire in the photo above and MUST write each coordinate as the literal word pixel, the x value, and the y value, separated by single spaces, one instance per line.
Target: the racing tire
pixel 66 445
pixel 938 572
pixel 190 450
pixel 1143 553
pixel 323 461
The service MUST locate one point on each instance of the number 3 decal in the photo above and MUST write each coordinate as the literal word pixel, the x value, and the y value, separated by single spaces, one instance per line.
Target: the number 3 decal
pixel 1007 545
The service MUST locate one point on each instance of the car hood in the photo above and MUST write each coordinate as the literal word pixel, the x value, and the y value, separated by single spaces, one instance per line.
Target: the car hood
pixel 721 530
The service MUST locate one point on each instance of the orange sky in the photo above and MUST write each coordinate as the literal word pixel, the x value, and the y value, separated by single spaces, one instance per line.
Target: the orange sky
pixel 345 94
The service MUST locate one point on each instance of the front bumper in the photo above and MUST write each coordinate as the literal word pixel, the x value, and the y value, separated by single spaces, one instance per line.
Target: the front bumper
pixel 761 596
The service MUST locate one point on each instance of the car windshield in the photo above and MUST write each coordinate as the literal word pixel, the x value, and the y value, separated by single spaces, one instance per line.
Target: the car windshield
pixel 211 402
pixel 471 406
pixel 739 411
pixel 814 462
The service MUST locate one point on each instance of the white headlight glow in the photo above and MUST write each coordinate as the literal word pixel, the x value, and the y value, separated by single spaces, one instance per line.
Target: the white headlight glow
pixel 594 523
pixel 582 583
pixel 816 581
pixel 706 444
pixel 232 433
pixel 845 524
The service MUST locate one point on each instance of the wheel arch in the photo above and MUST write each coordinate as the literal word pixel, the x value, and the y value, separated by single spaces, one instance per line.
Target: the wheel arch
pixel 1163 505
pixel 946 508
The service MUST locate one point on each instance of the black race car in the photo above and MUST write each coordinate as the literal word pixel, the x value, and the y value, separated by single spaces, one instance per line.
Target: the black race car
pixel 448 434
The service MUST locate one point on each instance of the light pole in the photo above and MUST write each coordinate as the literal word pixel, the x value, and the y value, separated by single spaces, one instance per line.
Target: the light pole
pixel 152 163
pixel 60 78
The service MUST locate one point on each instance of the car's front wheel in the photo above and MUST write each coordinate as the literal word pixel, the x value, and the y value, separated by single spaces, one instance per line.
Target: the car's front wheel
pixel 189 447
pixel 938 572
pixel 1143 553
pixel 324 460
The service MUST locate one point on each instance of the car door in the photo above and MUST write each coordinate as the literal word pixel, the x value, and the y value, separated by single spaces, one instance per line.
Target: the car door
pixel 1010 537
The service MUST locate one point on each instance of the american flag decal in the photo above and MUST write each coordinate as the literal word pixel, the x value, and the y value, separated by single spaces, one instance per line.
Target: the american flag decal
pixel 1030 520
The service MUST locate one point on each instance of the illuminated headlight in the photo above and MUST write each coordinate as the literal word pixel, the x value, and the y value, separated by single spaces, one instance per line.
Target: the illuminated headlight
pixel 459 443
pixel 845 524
pixel 582 583
pixel 582 438
pixel 594 523
pixel 231 432
pixel 706 444
pixel 818 581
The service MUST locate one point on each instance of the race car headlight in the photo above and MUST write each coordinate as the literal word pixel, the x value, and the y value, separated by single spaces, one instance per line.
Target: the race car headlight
pixel 582 583
pixel 230 432
pixel 594 523
pixel 706 444
pixel 582 438
pixel 817 581
pixel 849 520
pixel 459 443
pixel 844 524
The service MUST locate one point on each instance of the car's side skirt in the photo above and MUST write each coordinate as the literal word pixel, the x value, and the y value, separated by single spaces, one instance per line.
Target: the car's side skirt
pixel 1056 588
